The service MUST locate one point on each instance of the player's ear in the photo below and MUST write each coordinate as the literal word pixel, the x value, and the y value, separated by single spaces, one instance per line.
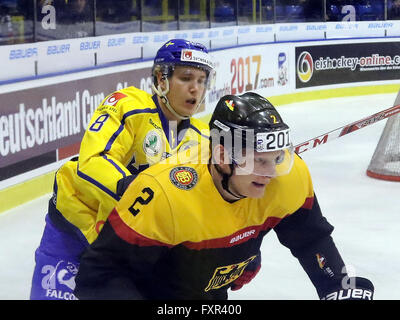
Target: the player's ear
pixel 221 155
pixel 161 80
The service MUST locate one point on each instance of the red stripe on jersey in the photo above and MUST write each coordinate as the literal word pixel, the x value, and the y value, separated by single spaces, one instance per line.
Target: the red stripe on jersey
pixel 129 235
pixel 308 204
pixel 234 239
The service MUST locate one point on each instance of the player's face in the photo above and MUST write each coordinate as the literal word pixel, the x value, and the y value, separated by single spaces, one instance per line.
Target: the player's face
pixel 186 88
pixel 253 175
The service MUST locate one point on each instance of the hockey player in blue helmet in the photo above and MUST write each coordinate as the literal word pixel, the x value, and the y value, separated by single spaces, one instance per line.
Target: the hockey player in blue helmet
pixel 129 131
pixel 184 65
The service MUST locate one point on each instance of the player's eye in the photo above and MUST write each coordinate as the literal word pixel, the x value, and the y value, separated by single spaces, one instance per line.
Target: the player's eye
pixel 279 159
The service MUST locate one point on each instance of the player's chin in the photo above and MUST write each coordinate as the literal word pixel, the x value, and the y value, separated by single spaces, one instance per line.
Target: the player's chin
pixel 256 190
pixel 189 109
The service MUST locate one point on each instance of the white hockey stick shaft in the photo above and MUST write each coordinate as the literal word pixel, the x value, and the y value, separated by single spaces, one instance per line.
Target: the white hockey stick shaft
pixel 339 132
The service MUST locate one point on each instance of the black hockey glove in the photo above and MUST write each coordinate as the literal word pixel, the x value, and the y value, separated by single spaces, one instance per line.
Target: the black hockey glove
pixel 355 288
pixel 123 184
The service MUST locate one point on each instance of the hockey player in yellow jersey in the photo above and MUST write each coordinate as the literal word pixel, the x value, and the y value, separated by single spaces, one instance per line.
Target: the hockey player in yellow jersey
pixel 130 131
pixel 199 227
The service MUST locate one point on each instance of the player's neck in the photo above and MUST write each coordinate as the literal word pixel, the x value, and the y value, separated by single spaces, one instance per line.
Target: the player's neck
pixel 217 178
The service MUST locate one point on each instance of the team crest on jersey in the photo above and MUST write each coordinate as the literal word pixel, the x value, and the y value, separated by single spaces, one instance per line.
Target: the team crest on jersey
pixel 322 263
pixel 184 178
pixel 321 260
pixel 152 143
pixel 113 99
pixel 227 274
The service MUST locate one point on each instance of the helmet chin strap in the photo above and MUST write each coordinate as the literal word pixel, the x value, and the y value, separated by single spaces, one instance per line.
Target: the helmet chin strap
pixel 225 181
pixel 163 95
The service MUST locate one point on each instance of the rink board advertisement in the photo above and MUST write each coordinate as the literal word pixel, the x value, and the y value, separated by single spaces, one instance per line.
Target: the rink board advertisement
pixel 344 63
pixel 36 123
pixel 45 124
pixel 264 69
pixel 44 121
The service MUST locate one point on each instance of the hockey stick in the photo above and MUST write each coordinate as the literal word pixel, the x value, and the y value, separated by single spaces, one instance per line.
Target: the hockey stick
pixel 340 132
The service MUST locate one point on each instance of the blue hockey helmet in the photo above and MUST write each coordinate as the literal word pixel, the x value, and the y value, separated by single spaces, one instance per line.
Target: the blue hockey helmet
pixel 180 52
pixel 184 52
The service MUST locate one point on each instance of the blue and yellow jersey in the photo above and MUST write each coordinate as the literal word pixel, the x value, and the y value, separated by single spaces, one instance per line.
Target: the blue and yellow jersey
pixel 127 133
pixel 173 221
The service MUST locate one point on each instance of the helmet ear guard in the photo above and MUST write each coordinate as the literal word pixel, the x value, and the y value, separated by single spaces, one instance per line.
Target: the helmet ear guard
pixel 163 96
pixel 165 70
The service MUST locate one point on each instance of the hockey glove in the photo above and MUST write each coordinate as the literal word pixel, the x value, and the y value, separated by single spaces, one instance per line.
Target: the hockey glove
pixel 248 274
pixel 355 288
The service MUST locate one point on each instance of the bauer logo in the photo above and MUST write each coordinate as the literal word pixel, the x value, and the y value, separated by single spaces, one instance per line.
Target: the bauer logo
pixel 242 236
pixel 305 67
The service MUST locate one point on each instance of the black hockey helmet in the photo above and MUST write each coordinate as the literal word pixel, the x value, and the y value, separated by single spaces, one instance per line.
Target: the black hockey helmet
pixel 247 111
pixel 251 121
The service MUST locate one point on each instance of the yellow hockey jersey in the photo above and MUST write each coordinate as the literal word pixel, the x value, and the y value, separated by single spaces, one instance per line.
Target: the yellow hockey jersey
pixel 176 200
pixel 173 221
pixel 127 133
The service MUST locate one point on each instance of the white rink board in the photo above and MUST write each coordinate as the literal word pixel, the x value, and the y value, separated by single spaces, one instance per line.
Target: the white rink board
pixel 48 57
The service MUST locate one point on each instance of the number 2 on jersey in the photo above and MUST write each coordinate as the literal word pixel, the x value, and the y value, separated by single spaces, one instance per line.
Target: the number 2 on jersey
pixel 150 195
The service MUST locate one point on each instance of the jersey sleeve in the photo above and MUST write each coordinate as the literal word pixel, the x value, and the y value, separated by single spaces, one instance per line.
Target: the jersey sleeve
pixel 307 233
pixel 107 144
pixel 137 234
